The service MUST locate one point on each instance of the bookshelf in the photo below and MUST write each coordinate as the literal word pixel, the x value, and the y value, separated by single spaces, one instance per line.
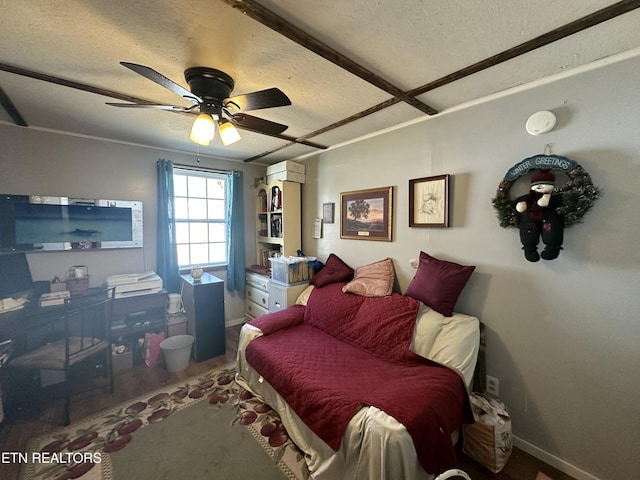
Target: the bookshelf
pixel 277 220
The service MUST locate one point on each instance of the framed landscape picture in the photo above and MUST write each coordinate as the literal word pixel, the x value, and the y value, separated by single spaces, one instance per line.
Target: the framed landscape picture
pixel 429 202
pixel 367 214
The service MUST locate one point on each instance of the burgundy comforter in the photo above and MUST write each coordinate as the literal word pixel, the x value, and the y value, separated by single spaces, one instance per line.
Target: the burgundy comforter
pixel 343 351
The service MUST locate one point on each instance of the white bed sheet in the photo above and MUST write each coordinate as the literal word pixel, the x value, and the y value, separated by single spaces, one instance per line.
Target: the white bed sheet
pixel 375 445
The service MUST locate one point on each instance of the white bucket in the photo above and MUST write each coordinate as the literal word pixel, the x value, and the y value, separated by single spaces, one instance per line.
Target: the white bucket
pixel 176 351
pixel 175 303
pixel 453 473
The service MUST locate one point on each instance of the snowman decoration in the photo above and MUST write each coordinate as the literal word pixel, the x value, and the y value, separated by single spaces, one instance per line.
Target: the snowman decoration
pixel 538 218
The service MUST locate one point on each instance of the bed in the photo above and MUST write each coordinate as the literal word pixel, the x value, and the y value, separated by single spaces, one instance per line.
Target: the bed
pixel 374 443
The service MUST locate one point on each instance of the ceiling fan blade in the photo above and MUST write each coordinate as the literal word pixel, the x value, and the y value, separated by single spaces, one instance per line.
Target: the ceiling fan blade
pixel 256 124
pixel 157 106
pixel 269 98
pixel 161 80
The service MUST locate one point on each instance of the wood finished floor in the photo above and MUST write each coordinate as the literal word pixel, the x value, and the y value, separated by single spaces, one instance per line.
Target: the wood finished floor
pixel 18 427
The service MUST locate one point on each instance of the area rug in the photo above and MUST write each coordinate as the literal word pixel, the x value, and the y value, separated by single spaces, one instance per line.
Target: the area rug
pixel 205 427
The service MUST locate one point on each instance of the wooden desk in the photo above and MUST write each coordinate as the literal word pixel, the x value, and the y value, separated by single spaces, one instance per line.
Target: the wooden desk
pixel 140 313
pixel 33 326
pixel 15 325
pixel 29 326
pixel 129 316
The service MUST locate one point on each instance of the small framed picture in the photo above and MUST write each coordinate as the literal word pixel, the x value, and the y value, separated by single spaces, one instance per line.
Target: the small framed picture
pixel 429 202
pixel 328 212
pixel 367 214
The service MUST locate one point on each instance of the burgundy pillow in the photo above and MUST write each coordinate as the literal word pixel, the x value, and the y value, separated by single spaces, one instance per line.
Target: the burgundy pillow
pixel 334 270
pixel 438 283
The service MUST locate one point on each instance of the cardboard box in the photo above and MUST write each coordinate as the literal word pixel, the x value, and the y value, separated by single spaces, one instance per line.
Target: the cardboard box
pixel 57 287
pixel 284 166
pixel 122 362
pixel 286 175
pixel 176 325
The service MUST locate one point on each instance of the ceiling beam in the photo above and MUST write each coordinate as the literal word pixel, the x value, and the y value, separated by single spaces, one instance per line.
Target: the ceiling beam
pixel 11 109
pixel 69 83
pixel 278 24
pixel 110 93
pixel 543 40
pixel 291 140
pixel 337 124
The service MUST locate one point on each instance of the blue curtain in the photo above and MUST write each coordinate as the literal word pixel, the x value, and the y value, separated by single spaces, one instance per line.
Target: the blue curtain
pixel 167 255
pixel 235 232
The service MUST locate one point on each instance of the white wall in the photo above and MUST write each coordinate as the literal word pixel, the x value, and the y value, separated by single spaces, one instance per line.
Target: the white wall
pixel 563 336
pixel 37 162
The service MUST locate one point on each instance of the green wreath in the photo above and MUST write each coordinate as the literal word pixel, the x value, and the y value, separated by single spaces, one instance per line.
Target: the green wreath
pixel 578 194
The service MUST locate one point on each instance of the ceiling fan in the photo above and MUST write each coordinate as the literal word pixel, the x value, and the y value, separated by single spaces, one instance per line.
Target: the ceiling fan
pixel 209 92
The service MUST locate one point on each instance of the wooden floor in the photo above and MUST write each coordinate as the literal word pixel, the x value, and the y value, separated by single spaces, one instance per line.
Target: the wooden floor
pixel 19 426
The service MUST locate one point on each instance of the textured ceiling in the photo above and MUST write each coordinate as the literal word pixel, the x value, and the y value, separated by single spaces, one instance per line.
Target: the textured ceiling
pixel 407 47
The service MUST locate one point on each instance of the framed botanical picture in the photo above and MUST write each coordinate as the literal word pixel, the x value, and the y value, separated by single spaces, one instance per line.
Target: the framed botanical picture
pixel 429 202
pixel 367 214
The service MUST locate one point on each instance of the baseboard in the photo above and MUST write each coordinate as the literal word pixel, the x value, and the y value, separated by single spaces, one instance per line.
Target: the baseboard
pixel 235 321
pixel 552 460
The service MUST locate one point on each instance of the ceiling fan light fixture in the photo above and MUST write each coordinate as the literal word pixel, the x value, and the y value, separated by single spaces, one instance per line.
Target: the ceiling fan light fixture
pixel 204 129
pixel 228 133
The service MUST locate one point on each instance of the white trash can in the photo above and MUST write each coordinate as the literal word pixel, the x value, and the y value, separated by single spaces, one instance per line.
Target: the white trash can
pixel 177 351
pixel 453 473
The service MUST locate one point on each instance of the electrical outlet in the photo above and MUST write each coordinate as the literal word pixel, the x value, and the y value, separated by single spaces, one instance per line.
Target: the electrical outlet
pixel 493 385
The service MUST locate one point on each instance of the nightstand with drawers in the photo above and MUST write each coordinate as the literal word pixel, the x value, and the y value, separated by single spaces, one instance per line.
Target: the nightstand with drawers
pixel 257 295
pixel 283 296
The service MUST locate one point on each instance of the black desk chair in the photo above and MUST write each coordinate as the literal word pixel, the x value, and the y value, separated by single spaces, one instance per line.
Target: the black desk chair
pixel 72 344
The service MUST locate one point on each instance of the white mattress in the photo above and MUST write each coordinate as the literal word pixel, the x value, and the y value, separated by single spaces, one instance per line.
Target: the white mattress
pixel 375 445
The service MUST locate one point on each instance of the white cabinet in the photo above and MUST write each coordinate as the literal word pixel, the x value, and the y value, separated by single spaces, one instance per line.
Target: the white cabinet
pixel 283 296
pixel 256 295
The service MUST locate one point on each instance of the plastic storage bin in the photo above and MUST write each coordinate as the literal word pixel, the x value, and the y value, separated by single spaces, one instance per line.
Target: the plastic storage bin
pixel 291 270
pixel 177 351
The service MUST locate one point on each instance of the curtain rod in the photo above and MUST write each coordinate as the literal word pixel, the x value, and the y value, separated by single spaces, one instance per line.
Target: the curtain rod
pixel 201 169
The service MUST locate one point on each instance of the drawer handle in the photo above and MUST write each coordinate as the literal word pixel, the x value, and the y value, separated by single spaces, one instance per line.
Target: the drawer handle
pixel 264 301
pixel 249 293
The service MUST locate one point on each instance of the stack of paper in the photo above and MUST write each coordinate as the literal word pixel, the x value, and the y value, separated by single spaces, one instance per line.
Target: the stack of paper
pixel 54 298
pixel 10 304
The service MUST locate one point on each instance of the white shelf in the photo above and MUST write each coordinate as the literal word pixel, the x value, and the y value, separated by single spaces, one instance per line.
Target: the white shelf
pixel 285 219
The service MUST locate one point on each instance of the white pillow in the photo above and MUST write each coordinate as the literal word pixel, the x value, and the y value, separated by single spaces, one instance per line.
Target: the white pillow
pixel 453 341
pixel 304 296
pixel 427 328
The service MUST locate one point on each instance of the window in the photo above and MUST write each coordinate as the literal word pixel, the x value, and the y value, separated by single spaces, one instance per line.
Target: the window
pixel 201 217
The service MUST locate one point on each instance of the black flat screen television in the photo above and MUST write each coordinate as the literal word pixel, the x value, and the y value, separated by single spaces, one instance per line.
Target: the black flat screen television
pixel 34 222
pixel 15 275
